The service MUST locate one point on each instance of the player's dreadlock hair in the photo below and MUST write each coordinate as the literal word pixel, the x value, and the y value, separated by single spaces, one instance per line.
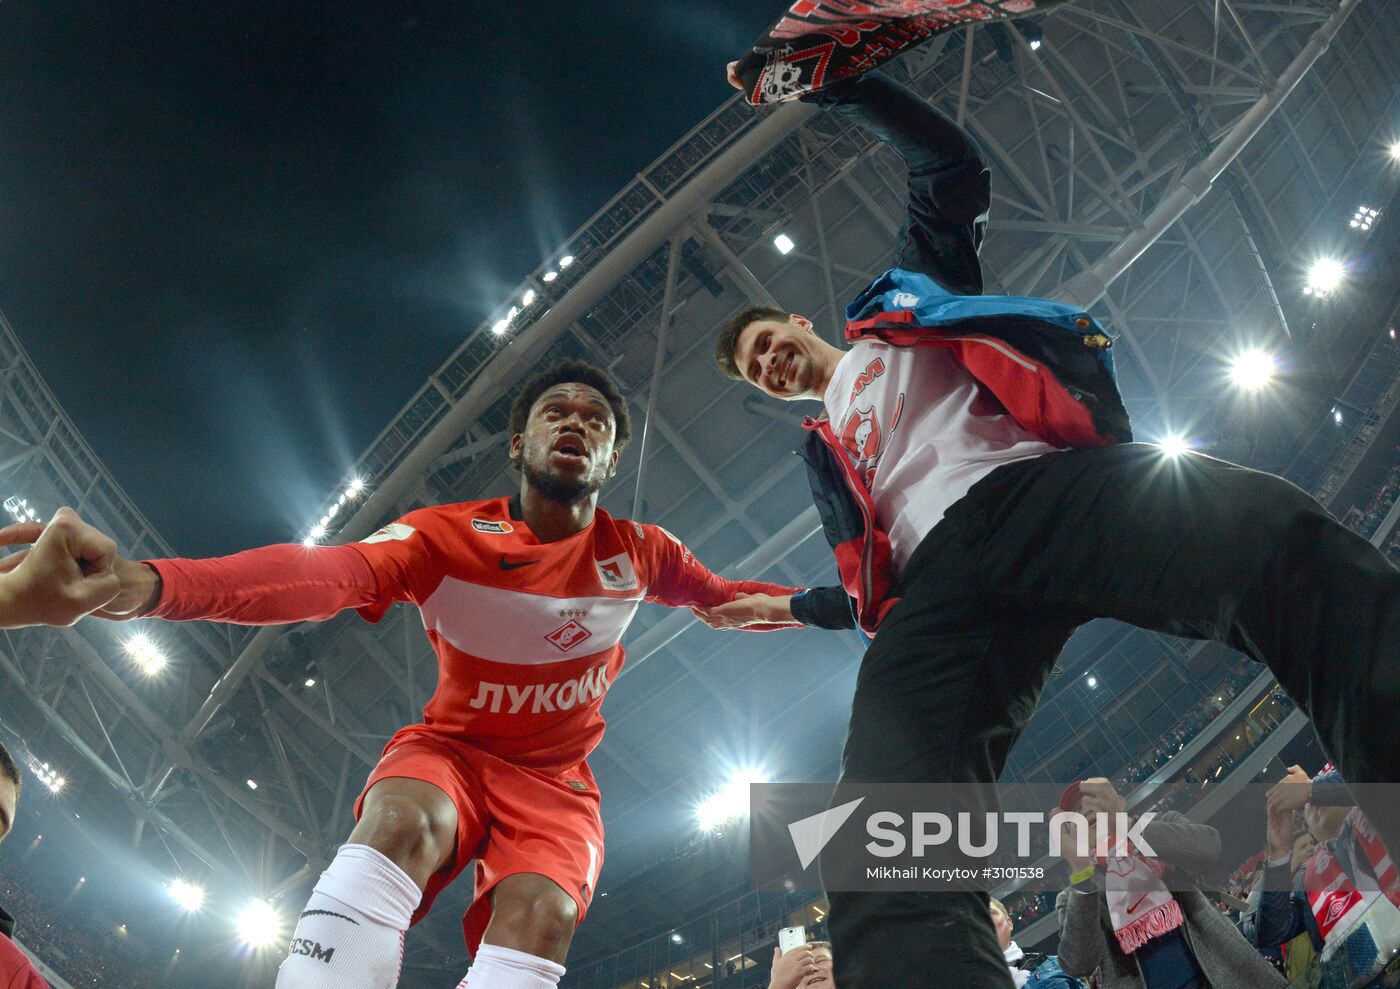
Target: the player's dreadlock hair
pixel 8 769
pixel 728 339
pixel 575 372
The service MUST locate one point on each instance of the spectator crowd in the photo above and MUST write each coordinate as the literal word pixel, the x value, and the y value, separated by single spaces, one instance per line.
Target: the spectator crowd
pixel 69 943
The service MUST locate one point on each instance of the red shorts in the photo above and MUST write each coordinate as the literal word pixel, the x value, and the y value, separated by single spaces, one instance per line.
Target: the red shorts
pixel 510 820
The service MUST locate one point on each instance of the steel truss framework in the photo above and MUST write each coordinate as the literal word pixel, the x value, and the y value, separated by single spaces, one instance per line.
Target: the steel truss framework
pixel 1086 137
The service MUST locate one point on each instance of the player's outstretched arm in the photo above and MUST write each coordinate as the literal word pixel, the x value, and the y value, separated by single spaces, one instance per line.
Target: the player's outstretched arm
pixel 818 607
pixel 950 189
pixel 748 611
pixel 676 578
pixel 272 585
pixel 66 574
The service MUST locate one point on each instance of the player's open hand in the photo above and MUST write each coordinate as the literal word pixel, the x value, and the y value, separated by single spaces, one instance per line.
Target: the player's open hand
pixel 748 610
pixel 66 574
pixel 731 72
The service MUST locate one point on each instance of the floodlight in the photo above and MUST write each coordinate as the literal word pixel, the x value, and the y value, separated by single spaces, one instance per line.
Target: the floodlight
pixel 549 276
pixel 189 896
pixel 146 654
pixel 1174 446
pixel 728 804
pixel 1325 276
pixel 1253 369
pixel 783 243
pixel 500 326
pixel 528 298
pixel 1093 681
pixel 258 924
pixel 565 261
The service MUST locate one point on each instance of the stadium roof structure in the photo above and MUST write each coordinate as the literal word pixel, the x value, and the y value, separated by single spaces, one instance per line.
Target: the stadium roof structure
pixel 1105 143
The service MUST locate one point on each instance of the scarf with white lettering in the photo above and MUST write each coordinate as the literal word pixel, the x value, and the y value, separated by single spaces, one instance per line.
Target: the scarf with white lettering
pixel 1336 901
pixel 819 42
pixel 1140 906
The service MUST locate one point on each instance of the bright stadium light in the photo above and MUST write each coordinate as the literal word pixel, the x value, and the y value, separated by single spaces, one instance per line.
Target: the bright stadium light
pixel 549 276
pixel 189 896
pixel 1325 277
pixel 728 804
pixel 783 243
pixel 309 682
pixel 258 924
pixel 356 486
pixel 1035 45
pixel 1174 446
pixel 48 776
pixel 19 508
pixel 500 326
pixel 318 531
pixel 1253 369
pixel 1337 415
pixel 528 297
pixel 146 654
pixel 1364 218
pixel 308 541
pixel 1092 681
pixel 252 784
pixel 565 261
pixel 1395 151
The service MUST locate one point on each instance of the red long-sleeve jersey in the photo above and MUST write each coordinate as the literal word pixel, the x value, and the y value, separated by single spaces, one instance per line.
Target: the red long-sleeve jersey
pixel 527 634
pixel 16 970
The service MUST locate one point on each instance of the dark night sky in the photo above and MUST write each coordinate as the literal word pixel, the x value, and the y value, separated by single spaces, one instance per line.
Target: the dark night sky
pixel 237 237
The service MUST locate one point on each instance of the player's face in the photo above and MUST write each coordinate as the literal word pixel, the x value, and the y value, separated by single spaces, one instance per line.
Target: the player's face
pixel 780 358
pixel 566 451
pixel 9 797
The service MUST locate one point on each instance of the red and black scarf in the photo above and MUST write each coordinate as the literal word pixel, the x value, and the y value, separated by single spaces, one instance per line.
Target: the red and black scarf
pixel 818 42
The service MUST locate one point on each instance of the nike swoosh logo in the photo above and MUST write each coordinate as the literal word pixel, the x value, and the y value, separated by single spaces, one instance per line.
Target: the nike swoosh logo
pixel 1139 903
pixel 328 913
pixel 507 565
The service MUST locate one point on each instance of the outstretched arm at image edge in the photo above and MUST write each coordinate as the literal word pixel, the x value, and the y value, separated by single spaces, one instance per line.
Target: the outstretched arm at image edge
pixel 273 585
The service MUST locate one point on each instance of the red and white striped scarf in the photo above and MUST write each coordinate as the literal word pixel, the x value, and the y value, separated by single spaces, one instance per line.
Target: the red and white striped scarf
pixel 1140 906
pixel 1334 898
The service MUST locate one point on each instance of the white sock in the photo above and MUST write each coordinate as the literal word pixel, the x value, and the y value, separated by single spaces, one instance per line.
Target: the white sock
pixel 494 967
pixel 351 932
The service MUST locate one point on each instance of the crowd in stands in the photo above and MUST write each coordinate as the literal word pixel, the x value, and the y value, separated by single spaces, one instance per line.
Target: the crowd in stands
pixel 1179 794
pixel 1368 518
pixel 68 942
pixel 1174 739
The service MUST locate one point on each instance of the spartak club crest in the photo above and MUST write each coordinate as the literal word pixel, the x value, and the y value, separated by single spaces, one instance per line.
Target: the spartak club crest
pixel 865 439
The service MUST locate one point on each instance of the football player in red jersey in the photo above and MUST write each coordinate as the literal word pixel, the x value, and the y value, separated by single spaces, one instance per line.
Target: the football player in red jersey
pixel 16 970
pixel 525 600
